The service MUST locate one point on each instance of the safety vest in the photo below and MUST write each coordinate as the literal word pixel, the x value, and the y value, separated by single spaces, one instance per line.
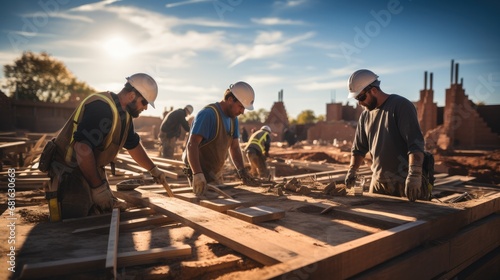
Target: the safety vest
pixel 112 144
pixel 213 154
pixel 257 141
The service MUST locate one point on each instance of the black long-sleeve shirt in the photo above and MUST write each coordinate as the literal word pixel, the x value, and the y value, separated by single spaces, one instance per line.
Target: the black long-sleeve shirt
pixel 172 123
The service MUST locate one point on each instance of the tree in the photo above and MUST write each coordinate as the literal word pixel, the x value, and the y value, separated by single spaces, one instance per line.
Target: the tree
pixel 306 117
pixel 254 116
pixel 39 77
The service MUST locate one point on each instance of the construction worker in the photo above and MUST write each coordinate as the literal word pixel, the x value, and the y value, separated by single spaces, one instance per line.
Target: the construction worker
pixel 388 129
pixel 214 134
pixel 92 137
pixel 170 129
pixel 257 150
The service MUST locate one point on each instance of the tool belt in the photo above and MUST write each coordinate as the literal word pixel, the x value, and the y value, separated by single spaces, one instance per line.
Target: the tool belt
pixel 188 172
pixel 47 156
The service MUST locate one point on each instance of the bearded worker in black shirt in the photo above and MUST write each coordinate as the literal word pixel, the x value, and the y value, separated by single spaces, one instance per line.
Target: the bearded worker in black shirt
pixel 100 126
pixel 388 129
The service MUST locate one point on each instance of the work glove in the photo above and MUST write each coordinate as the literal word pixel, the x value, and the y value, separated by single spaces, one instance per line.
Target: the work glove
pixel 102 196
pixel 199 184
pixel 246 178
pixel 413 182
pixel 350 178
pixel 158 175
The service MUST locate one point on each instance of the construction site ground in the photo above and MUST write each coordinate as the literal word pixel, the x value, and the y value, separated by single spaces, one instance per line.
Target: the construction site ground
pixel 319 221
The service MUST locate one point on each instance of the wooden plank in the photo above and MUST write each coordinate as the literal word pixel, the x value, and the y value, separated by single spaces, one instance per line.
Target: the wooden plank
pixel 484 268
pixel 387 219
pixel 35 151
pixel 217 190
pixel 127 225
pixel 257 214
pixel 343 261
pixel 222 204
pixel 174 162
pixel 445 257
pixel 263 245
pixel 12 144
pixel 189 197
pixel 131 162
pixel 111 255
pixel 452 180
pixel 78 265
pixel 130 214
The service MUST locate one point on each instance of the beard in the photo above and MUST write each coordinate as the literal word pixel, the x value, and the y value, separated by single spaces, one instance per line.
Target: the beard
pixel 132 109
pixel 372 104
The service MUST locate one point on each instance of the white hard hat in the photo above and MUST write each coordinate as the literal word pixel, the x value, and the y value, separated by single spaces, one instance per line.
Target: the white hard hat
pixel 360 80
pixel 145 85
pixel 189 108
pixel 267 128
pixel 244 93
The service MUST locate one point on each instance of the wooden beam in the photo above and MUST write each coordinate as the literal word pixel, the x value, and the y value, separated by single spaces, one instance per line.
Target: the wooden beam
pixel 130 224
pixel 257 214
pixel 129 161
pixel 111 255
pixel 130 214
pixel 91 263
pixel 343 261
pixel 444 258
pixel 265 246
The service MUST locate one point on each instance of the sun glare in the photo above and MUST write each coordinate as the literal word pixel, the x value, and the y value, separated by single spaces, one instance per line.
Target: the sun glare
pixel 117 47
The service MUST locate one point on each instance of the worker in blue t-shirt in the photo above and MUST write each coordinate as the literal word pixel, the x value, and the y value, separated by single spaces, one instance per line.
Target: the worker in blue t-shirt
pixel 214 135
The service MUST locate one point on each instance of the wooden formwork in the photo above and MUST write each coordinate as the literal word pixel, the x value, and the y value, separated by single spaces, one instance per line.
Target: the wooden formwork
pixel 421 240
pixel 318 237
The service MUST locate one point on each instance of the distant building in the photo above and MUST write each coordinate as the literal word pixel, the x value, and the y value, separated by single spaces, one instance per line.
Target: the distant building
pixel 464 124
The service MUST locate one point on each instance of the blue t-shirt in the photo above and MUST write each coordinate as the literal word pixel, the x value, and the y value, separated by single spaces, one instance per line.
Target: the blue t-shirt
pixel 205 124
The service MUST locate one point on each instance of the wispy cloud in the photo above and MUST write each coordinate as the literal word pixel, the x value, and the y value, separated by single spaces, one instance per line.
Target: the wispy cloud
pixel 69 16
pixel 94 6
pixel 32 34
pixel 276 21
pixel 188 2
pixel 290 3
pixel 259 51
pixel 264 37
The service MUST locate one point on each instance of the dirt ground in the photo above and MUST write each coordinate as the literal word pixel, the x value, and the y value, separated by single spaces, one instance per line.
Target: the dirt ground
pixel 484 165
pixel 56 241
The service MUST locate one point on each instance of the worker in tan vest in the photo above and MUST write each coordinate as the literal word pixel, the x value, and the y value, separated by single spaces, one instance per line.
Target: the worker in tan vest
pixel 214 134
pixel 92 137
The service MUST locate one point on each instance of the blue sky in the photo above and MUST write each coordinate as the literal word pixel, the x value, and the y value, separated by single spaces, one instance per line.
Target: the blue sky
pixel 308 48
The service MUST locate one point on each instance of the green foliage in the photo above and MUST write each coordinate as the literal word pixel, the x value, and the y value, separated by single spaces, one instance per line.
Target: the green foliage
pixel 254 116
pixel 306 116
pixel 39 77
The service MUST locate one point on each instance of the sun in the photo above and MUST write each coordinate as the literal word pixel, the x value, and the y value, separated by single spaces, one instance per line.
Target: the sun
pixel 117 47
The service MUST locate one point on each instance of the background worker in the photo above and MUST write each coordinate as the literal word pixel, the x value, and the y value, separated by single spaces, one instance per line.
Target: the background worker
pixel 214 134
pixel 388 128
pixel 170 129
pixel 257 150
pixel 91 139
